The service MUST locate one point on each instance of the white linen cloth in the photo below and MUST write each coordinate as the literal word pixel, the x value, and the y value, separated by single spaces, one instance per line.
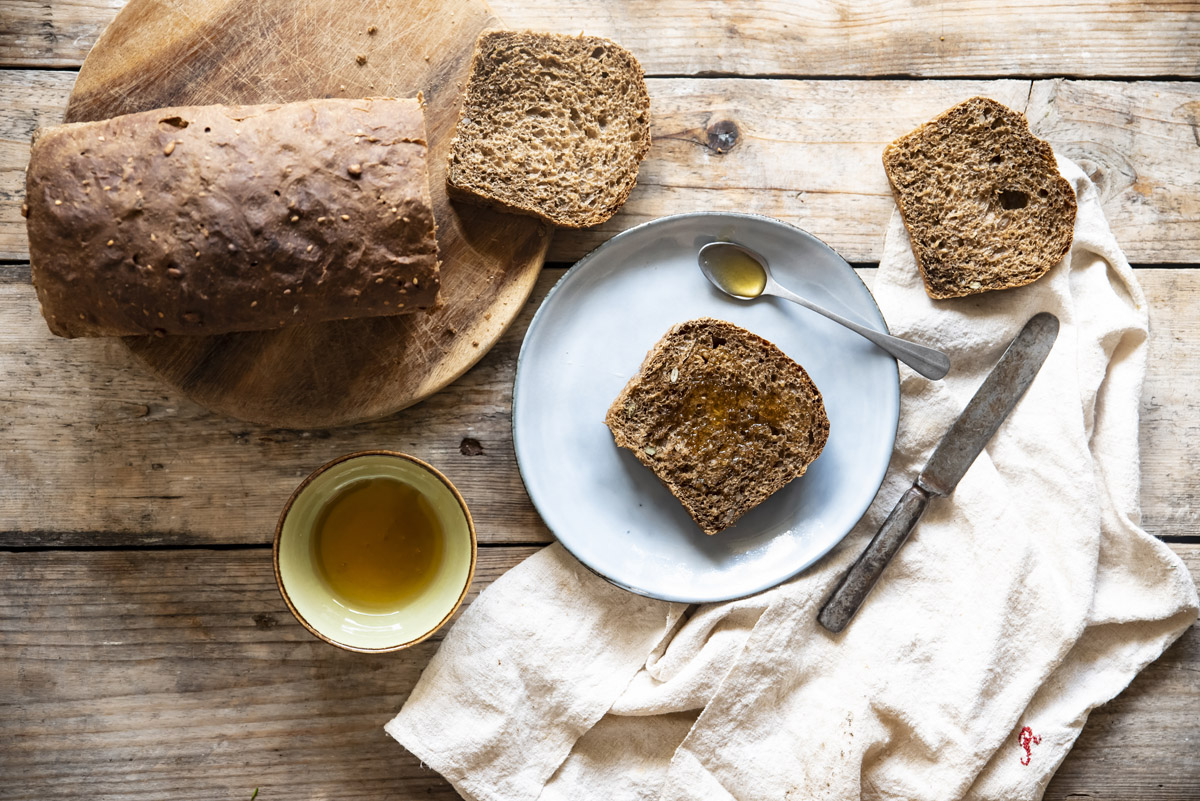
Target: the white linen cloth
pixel 1021 602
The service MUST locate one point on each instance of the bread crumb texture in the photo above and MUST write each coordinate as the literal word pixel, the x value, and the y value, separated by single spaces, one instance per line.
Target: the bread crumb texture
pixel 982 199
pixel 552 126
pixel 722 416
pixel 212 219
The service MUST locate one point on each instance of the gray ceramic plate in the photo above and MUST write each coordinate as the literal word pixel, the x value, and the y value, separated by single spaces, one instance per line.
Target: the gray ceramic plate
pixel 590 336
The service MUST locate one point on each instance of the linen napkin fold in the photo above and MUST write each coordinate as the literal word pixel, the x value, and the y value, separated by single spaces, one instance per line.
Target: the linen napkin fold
pixel 1020 603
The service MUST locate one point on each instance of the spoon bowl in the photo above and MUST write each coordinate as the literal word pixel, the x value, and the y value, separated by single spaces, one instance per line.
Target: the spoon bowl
pixel 735 270
pixel 741 273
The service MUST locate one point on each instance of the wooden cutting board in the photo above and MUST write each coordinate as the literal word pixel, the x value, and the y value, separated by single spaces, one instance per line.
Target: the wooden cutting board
pixel 189 52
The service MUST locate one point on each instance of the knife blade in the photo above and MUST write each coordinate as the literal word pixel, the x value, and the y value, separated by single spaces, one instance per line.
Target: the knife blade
pixel 966 439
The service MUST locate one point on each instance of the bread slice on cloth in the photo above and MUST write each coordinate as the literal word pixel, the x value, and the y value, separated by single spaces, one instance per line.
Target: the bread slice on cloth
pixel 552 126
pixel 722 416
pixel 982 199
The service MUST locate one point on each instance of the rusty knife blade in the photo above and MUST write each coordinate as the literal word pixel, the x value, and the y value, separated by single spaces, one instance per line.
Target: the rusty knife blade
pixel 990 406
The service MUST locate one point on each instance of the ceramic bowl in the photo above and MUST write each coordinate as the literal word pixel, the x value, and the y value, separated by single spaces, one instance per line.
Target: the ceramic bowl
pixel 319 609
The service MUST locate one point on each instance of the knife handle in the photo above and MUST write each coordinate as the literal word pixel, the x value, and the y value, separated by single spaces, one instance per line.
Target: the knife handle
pixel 844 602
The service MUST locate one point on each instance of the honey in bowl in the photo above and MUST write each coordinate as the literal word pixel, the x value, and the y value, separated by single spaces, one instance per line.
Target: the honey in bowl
pixel 374 551
pixel 378 544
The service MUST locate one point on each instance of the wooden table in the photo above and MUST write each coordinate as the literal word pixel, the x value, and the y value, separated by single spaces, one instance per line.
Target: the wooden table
pixel 144 649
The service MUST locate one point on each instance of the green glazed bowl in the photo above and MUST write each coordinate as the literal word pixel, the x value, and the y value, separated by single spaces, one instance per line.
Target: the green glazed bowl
pixel 316 606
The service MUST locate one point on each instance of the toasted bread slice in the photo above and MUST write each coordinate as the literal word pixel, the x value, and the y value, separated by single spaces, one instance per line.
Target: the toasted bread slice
pixel 723 418
pixel 552 126
pixel 982 199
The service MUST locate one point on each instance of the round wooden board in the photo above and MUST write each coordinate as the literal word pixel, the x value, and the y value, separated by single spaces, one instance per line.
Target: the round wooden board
pixel 192 52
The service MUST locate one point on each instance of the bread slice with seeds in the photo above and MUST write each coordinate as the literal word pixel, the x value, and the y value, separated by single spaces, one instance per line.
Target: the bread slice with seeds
pixel 552 126
pixel 723 417
pixel 982 199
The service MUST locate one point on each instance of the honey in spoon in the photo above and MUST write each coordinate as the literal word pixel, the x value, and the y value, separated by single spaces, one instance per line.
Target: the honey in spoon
pixel 743 274
pixel 733 270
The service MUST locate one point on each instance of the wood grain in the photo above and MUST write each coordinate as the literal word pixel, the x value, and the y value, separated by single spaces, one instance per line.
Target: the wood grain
pixel 770 37
pixel 100 453
pixel 72 414
pixel 35 33
pixel 32 99
pixel 172 674
pixel 1170 418
pixel 185 52
pixel 181 675
pixel 809 152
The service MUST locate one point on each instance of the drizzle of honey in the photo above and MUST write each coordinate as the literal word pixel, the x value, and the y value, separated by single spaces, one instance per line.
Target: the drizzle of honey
pixel 736 272
pixel 378 544
pixel 722 421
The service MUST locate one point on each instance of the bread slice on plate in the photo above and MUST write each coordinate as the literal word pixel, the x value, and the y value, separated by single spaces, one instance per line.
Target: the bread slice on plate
pixel 722 416
pixel 552 126
pixel 982 199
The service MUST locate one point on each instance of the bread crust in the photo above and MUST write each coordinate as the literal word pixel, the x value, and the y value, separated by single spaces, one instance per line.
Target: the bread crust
pixel 722 417
pixel 213 219
pixel 982 199
pixel 552 126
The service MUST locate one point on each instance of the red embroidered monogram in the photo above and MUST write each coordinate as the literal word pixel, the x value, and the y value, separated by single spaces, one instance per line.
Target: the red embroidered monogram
pixel 1026 741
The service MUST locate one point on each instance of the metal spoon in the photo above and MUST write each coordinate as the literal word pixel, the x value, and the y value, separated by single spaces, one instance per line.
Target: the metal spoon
pixel 743 274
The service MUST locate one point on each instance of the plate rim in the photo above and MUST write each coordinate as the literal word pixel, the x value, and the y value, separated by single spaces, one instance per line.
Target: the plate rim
pixel 583 262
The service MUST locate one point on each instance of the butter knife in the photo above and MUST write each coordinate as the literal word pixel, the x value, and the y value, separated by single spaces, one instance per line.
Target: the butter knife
pixel 965 440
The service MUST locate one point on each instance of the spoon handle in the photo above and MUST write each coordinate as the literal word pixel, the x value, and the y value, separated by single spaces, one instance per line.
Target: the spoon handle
pixel 928 362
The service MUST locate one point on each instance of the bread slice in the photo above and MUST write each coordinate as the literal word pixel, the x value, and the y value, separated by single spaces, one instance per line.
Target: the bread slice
pixel 723 418
pixel 552 126
pixel 982 199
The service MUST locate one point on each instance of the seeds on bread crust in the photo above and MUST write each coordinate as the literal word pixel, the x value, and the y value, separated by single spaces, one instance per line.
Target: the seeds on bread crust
pixel 552 126
pixel 722 416
pixel 214 219
pixel 982 199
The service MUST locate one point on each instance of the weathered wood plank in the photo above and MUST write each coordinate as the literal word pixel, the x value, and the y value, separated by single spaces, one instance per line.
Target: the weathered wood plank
pixel 87 429
pixel 769 37
pixel 36 33
pixel 31 99
pixel 97 452
pixel 181 675
pixel 1170 417
pixel 809 152
pixel 1135 140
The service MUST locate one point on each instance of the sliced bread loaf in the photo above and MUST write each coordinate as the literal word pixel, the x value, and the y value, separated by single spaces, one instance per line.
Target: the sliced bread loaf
pixel 213 219
pixel 982 199
pixel 552 126
pixel 723 418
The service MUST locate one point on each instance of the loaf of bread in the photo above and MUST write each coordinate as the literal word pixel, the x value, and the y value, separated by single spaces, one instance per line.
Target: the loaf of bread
pixel 552 126
pixel 211 219
pixel 982 199
pixel 723 417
